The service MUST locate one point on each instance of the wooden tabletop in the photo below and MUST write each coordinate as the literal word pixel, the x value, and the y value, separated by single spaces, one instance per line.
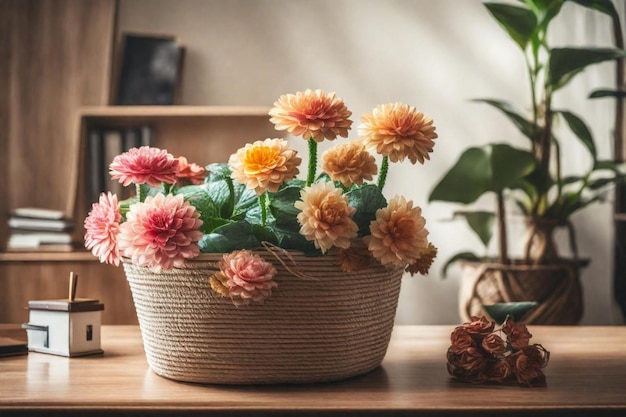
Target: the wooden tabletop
pixel 586 376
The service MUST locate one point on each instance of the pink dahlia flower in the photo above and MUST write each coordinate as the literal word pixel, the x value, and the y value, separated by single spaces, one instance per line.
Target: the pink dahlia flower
pixel 161 232
pixel 244 277
pixel 144 165
pixel 102 227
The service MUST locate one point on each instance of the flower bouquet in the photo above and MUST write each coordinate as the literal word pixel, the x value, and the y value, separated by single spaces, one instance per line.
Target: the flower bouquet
pixel 478 353
pixel 243 273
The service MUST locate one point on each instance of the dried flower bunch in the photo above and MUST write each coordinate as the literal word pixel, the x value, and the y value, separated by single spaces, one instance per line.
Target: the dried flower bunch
pixel 479 353
pixel 181 209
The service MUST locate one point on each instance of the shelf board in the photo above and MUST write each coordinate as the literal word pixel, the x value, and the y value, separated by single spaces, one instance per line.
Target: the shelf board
pixel 173 111
pixel 75 256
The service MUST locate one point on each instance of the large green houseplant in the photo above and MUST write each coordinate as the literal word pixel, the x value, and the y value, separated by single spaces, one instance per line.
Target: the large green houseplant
pixel 532 176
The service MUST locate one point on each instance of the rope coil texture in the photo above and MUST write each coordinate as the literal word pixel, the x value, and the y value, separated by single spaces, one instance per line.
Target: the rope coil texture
pixel 332 327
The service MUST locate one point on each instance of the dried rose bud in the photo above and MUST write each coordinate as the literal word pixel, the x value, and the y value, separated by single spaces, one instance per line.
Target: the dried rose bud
pixel 461 340
pixel 517 333
pixel 494 345
pixel 466 364
pixel 479 327
pixel 496 370
pixel 527 370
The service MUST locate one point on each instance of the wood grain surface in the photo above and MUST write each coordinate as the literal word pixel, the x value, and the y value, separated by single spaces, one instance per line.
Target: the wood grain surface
pixel 586 376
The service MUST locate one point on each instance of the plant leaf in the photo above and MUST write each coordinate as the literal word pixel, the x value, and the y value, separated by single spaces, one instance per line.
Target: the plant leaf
pixel 601 93
pixel 518 22
pixel 565 63
pixel 481 222
pixel 230 237
pixel 581 130
pixel 366 199
pixel 461 256
pixel 480 170
pixel 524 125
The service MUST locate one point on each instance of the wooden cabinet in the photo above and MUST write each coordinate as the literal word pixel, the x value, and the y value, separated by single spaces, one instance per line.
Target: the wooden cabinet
pixel 56 61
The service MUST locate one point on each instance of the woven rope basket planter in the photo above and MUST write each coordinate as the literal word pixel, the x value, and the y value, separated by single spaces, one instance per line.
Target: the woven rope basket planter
pixel 555 287
pixel 322 325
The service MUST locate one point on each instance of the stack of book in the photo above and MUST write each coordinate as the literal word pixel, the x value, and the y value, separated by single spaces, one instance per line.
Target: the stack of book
pixel 37 229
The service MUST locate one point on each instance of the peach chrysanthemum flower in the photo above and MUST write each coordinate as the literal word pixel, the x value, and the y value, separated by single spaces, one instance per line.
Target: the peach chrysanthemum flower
pixel 244 277
pixel 144 165
pixel 102 226
pixel 398 234
pixel 398 131
pixel 349 163
pixel 326 217
pixel 264 165
pixel 422 265
pixel 161 232
pixel 311 114
pixel 189 172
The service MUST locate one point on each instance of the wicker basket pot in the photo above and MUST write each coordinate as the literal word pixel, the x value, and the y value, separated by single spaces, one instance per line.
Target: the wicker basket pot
pixel 320 324
pixel 556 287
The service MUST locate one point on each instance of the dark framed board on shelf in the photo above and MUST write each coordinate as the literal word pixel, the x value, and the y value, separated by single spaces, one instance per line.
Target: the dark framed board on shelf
pixel 149 70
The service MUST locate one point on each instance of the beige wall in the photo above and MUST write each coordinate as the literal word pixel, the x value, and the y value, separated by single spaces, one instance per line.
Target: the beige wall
pixel 435 55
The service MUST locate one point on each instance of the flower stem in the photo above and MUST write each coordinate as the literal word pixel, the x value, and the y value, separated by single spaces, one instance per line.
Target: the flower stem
pixel 263 205
pixel 312 162
pixel 138 190
pixel 382 177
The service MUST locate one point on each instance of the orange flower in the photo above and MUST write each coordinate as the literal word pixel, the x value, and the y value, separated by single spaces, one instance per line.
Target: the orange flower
pixel 354 258
pixel 399 131
pixel 349 163
pixel 312 114
pixel 264 165
pixel 192 173
pixel 422 265
pixel 398 234
pixel 326 217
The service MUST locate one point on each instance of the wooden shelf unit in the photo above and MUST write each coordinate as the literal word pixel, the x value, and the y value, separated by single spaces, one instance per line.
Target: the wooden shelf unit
pixel 203 134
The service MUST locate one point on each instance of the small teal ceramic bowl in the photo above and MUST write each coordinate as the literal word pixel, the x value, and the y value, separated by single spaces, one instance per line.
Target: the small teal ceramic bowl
pixel 517 310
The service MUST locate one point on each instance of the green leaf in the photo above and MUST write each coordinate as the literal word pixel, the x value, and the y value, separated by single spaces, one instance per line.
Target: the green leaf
pixel 480 170
pixel 461 256
pixel 581 130
pixel 481 222
pixel 367 199
pixel 245 200
pixel 230 237
pixel 565 63
pixel 282 208
pixel 608 165
pixel 518 22
pixel 601 93
pixel 525 126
